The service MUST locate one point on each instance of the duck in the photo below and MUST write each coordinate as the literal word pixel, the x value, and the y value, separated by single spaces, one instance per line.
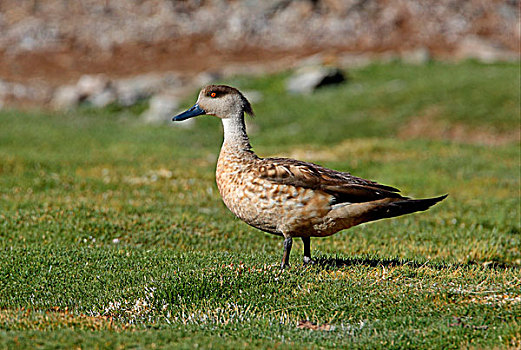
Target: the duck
pixel 288 197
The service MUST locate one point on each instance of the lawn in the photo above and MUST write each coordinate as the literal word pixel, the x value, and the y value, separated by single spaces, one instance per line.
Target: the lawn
pixel 113 234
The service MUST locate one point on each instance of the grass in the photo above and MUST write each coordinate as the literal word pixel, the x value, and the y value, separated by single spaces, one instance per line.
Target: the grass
pixel 112 232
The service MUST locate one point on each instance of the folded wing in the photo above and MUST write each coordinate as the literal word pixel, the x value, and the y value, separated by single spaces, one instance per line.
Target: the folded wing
pixel 345 187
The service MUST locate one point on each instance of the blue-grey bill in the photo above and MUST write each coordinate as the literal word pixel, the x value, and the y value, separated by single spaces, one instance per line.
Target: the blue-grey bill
pixel 192 112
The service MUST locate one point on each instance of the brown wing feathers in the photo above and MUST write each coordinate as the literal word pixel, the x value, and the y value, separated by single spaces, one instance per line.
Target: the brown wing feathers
pixel 343 186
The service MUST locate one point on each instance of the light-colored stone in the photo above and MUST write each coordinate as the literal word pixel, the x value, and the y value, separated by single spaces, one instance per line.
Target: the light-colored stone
pixel 483 50
pixel 33 92
pixel 308 79
pixel 162 108
pixel 66 97
pixel 4 88
pixel 131 90
pixel 96 89
pixel 206 78
pixel 104 98
pixel 418 56
pixel 89 85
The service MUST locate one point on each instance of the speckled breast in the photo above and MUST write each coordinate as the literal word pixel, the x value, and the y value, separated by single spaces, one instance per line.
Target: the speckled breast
pixel 268 206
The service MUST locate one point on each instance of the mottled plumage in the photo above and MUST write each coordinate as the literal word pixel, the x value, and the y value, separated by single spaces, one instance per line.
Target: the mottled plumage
pixel 288 197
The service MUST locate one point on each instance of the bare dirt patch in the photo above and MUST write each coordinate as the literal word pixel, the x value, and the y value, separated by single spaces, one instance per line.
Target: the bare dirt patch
pixel 189 55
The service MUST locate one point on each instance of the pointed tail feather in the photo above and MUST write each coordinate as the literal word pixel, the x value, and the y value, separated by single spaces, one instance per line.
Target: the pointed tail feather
pixel 401 207
pixel 349 215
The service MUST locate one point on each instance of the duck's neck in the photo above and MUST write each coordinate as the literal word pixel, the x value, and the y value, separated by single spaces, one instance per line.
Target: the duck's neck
pixel 235 137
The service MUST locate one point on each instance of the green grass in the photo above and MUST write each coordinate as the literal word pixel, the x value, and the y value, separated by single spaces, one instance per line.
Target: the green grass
pixel 112 232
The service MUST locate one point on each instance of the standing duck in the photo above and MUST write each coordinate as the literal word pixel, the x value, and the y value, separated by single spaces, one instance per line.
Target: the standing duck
pixel 288 197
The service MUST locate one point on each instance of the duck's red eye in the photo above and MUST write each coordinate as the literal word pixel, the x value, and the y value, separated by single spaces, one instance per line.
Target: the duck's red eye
pixel 213 94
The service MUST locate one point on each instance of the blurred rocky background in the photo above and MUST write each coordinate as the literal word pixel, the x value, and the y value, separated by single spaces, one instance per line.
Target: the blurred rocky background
pixel 61 53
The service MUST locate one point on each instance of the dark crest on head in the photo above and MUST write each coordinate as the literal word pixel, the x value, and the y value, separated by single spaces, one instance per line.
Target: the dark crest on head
pixel 221 90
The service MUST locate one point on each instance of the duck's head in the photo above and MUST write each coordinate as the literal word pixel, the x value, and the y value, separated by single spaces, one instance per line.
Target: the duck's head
pixel 219 100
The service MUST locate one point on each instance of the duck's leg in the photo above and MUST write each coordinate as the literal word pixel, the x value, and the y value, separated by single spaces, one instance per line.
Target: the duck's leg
pixel 288 242
pixel 307 250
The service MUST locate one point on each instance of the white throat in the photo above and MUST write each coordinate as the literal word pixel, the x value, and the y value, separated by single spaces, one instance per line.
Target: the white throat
pixel 235 132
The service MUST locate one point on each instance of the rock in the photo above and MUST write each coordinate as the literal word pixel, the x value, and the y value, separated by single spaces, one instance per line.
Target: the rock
pixel 162 108
pixel 205 78
pixel 308 79
pixel 3 92
pixel 483 50
pixel 13 91
pixel 4 87
pixel 90 85
pixel 103 98
pixel 417 56
pixel 131 90
pixel 98 90
pixel 33 92
pixel 65 97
